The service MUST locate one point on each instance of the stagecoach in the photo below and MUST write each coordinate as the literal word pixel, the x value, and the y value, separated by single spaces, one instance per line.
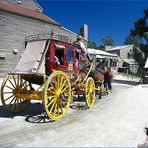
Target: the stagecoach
pixel 50 70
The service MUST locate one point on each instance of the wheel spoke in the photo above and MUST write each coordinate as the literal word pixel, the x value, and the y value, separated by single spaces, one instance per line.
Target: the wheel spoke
pixel 90 92
pixel 14 80
pixel 52 106
pixel 11 103
pixel 12 100
pixel 50 97
pixel 55 82
pixel 26 86
pixel 23 84
pixel 66 93
pixel 9 87
pixel 61 82
pixel 64 89
pixel 52 92
pixel 12 84
pixel 52 101
pixel 58 110
pixel 7 92
pixel 8 98
pixel 58 81
pixel 63 105
pixel 60 107
pixel 55 109
pixel 52 86
pixel 57 95
pixel 21 80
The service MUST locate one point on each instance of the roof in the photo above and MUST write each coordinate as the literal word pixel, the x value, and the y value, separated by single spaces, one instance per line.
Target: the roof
pixel 20 10
pixel 100 57
pixel 130 61
pixel 72 32
pixel 119 47
pixel 38 5
pixel 100 52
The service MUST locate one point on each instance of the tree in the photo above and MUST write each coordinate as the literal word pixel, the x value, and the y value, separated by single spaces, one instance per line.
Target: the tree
pixel 92 45
pixel 131 40
pixel 101 47
pixel 140 32
pixel 108 41
pixel 139 37
pixel 138 55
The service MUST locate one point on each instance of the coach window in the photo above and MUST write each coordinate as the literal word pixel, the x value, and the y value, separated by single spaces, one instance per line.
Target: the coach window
pixel 59 53
pixel 70 55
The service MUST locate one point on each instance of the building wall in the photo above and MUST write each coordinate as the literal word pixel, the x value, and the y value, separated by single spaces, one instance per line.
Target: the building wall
pixel 125 52
pixel 13 30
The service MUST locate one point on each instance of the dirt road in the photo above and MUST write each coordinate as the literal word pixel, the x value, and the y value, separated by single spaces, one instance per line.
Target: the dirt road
pixel 117 119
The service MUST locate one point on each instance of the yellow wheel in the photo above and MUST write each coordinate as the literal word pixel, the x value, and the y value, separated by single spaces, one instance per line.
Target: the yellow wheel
pixel 57 95
pixel 90 92
pixel 10 89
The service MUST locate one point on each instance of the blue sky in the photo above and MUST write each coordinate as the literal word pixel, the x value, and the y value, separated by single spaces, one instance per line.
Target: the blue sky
pixel 105 18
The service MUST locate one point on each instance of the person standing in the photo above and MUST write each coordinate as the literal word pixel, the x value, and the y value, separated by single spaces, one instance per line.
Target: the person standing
pixel 109 79
pixel 83 48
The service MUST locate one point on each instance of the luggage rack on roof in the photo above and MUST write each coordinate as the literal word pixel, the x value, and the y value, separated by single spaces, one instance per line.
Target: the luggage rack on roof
pixel 37 37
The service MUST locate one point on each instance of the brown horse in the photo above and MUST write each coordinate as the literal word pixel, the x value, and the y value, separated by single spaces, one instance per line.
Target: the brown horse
pixel 96 74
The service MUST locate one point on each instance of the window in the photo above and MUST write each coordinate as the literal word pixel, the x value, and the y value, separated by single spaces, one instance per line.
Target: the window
pixel 15 51
pixel 77 55
pixel 70 55
pixel 59 53
pixel 111 63
pixel 128 55
pixel 2 56
pixel 115 64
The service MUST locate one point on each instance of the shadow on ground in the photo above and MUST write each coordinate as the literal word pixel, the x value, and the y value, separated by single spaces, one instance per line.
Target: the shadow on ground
pixel 34 114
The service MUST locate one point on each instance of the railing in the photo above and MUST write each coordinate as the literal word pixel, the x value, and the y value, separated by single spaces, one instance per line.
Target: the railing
pixel 61 37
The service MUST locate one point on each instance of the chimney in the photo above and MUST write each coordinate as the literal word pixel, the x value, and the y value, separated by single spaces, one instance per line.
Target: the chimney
pixel 84 31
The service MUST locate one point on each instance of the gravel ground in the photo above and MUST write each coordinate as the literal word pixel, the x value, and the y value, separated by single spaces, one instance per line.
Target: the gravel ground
pixel 117 120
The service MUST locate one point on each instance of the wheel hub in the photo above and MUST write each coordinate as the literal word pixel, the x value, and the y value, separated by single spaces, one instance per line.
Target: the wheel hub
pixel 16 92
pixel 58 92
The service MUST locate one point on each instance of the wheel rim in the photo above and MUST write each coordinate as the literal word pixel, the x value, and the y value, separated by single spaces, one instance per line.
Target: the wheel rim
pixel 10 88
pixel 57 95
pixel 90 92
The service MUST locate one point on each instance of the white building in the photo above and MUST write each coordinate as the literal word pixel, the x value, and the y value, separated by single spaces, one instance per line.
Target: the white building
pixel 112 60
pixel 126 54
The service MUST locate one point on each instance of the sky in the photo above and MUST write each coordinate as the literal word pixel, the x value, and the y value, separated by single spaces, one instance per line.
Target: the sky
pixel 113 18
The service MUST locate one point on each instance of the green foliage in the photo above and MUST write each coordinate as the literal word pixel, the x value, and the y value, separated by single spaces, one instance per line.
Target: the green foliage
pixel 131 40
pixel 92 45
pixel 101 47
pixel 138 55
pixel 108 41
pixel 139 35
